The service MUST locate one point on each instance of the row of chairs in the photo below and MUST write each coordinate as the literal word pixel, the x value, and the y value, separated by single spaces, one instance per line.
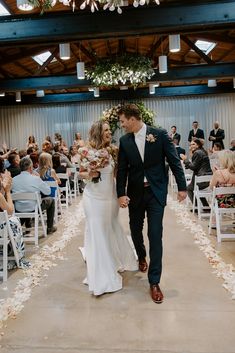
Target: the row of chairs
pixel 63 197
pixel 220 218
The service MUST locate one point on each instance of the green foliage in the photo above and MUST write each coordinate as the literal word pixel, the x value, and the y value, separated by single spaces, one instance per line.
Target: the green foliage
pixel 111 116
pixel 127 68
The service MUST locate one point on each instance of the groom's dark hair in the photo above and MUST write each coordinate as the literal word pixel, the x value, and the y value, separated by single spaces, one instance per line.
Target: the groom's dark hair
pixel 130 110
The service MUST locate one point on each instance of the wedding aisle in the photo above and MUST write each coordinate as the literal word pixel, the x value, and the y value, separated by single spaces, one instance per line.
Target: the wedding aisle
pixel 197 316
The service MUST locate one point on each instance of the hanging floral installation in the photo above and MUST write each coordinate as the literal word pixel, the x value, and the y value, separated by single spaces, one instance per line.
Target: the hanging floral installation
pixel 95 5
pixel 221 269
pixel 111 116
pixel 40 264
pixel 127 68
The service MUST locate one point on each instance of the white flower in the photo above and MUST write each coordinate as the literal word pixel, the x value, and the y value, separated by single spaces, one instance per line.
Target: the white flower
pixel 151 138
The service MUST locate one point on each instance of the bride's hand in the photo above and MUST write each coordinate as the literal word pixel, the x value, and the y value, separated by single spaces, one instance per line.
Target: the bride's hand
pixel 123 201
pixel 94 174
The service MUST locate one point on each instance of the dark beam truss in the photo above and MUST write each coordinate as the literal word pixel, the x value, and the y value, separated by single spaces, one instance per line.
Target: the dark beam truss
pixel 130 95
pixel 163 19
pixel 180 74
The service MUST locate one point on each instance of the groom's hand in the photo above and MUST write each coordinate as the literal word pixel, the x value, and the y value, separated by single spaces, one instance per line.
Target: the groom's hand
pixel 123 201
pixel 181 195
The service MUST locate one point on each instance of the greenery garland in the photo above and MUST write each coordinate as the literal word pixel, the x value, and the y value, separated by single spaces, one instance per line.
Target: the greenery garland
pixel 111 116
pixel 134 69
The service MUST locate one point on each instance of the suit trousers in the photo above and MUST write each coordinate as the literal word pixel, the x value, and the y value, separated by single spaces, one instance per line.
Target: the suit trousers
pixel 149 205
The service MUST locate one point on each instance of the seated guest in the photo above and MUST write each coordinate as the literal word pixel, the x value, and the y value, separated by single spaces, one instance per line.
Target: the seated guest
pixel 14 168
pixel 179 149
pixel 74 156
pixel 225 177
pixel 30 150
pixel 35 159
pixel 63 158
pixel 217 135
pixel 58 167
pixel 6 204
pixel 232 143
pixel 46 147
pixel 200 165
pixel 26 182
pixel 174 134
pixel 214 158
pixel 46 172
pixel 22 153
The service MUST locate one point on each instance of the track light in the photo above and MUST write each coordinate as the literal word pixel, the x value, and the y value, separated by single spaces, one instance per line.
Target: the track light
pixel 24 5
pixel 212 83
pixel 40 93
pixel 162 62
pixel 81 70
pixel 96 92
pixel 2 94
pixel 64 51
pixel 18 96
pixel 174 43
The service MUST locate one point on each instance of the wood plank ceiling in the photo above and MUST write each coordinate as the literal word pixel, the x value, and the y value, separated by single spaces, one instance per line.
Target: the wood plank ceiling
pixel 92 36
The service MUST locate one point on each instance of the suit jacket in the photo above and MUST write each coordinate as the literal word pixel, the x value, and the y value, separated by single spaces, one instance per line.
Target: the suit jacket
pixel 200 164
pixel 219 137
pixel 180 150
pixel 176 136
pixel 199 134
pixel 132 170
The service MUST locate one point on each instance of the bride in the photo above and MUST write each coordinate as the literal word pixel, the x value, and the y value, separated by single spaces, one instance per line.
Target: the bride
pixel 107 249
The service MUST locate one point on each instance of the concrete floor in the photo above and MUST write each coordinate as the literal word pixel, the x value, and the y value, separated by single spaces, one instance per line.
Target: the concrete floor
pixel 197 316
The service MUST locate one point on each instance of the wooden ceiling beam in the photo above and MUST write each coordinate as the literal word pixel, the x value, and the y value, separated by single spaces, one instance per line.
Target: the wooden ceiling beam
pixel 165 19
pixel 212 37
pixel 183 73
pixel 197 50
pixel 8 59
pixel 155 46
pixel 46 63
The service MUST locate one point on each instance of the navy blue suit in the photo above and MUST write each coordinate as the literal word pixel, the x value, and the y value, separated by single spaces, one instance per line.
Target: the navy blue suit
pixel 152 199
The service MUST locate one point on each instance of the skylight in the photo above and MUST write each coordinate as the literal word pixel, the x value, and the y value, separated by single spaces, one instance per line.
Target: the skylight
pixel 3 11
pixel 205 46
pixel 41 58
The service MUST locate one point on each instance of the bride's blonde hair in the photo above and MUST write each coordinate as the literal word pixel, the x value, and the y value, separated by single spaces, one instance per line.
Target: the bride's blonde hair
pixel 96 134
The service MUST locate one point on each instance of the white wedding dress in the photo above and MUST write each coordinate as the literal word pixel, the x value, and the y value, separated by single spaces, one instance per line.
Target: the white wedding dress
pixel 107 249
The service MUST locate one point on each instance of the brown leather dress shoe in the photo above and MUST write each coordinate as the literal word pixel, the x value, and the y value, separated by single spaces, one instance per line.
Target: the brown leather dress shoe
pixel 143 265
pixel 156 293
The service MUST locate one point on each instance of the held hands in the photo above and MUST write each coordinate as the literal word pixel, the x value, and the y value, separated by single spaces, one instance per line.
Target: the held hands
pixel 183 156
pixel 123 201
pixel 94 174
pixel 181 195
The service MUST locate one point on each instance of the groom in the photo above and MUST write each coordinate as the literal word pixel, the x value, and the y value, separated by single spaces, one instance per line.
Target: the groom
pixel 141 167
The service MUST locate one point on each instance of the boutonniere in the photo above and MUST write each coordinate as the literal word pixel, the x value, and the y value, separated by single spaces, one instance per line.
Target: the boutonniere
pixel 151 138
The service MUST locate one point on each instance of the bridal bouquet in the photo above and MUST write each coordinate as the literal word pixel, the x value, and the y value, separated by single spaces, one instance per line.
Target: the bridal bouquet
pixel 93 160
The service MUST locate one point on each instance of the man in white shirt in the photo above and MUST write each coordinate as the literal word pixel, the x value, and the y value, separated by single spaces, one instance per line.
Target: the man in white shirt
pixel 142 186
pixel 26 182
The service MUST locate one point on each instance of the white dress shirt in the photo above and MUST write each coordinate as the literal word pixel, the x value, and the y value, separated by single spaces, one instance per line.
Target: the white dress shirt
pixel 26 182
pixel 140 138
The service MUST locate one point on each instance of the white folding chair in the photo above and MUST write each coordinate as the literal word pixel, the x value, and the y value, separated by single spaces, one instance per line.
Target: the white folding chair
pixel 6 237
pixel 36 214
pixel 198 194
pixel 74 178
pixel 66 189
pixel 58 207
pixel 222 214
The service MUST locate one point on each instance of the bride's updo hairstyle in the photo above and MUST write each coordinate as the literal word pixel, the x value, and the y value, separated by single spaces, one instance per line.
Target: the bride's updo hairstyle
pixel 96 134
